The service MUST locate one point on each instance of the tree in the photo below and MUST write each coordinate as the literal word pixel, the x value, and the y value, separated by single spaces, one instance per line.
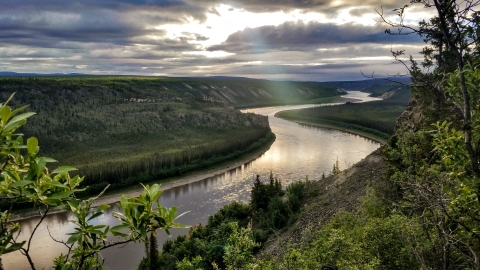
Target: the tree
pixel 25 177
pixel 452 34
pixel 438 171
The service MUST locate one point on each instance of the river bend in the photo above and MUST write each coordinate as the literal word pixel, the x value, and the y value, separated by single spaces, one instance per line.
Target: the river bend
pixel 298 151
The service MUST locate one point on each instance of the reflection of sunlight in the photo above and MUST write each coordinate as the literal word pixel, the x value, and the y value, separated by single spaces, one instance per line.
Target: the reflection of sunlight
pixel 273 156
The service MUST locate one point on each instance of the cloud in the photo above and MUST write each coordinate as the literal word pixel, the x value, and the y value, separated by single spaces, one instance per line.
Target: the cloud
pixel 305 5
pixel 168 37
pixel 298 35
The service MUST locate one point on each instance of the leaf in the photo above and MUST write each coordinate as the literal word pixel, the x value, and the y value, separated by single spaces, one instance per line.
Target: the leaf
pixel 119 227
pixel 63 169
pixel 5 113
pixel 60 195
pixel 48 160
pixel 160 221
pixel 74 238
pixel 32 144
pixel 41 165
pixel 54 202
pixel 143 232
pixel 17 120
pixel 94 216
pixel 22 183
pixel 14 247
pixel 117 230
pixel 18 110
pixel 103 207
pixel 56 184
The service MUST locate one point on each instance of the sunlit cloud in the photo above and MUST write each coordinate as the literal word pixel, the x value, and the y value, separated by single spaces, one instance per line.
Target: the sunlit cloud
pixel 286 39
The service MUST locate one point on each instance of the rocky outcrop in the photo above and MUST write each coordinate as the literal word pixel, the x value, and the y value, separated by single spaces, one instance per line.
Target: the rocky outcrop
pixel 335 193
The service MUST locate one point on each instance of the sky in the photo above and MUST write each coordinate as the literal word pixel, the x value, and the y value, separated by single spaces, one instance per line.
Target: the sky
pixel 307 40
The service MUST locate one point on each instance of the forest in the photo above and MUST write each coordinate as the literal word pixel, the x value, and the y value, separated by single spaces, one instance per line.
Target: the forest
pixel 131 129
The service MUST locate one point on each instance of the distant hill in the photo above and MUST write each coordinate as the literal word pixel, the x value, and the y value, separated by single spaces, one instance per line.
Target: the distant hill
pixel 232 91
pixel 15 74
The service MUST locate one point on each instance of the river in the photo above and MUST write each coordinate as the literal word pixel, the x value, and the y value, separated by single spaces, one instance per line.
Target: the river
pixel 298 151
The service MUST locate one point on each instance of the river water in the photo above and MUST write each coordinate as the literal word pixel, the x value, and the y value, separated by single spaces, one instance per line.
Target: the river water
pixel 298 151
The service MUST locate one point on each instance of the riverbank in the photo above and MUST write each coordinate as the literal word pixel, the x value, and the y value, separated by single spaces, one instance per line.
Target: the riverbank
pixel 348 130
pixel 167 183
pixel 190 177
pixel 340 99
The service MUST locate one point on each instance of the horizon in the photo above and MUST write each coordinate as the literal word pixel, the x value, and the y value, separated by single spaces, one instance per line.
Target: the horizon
pixel 46 75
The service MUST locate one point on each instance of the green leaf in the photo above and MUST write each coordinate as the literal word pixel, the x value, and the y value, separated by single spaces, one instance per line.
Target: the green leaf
pixel 18 110
pixel 94 216
pixel 103 207
pixel 117 230
pixel 53 202
pixel 48 160
pixel 32 144
pixel 143 232
pixel 22 183
pixel 56 184
pixel 14 247
pixel 63 169
pixel 41 162
pixel 160 221
pixel 5 113
pixel 74 238
pixel 60 195
pixel 17 120
pixel 119 227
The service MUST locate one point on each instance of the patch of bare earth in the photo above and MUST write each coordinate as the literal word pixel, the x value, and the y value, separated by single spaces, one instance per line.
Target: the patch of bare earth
pixel 335 193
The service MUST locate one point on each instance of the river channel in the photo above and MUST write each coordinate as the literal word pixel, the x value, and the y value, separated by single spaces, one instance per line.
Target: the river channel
pixel 298 151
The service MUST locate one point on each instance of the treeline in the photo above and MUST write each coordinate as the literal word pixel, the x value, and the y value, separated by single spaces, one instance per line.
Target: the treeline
pixel 159 167
pixel 269 210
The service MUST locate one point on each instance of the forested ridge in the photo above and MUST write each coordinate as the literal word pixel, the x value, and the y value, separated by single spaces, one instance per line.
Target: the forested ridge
pixel 122 131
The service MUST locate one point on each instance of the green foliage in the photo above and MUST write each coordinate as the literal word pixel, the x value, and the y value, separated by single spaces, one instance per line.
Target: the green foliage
pixel 25 177
pixel 235 232
pixel 261 193
pixel 204 245
pixel 239 248
pixel 356 241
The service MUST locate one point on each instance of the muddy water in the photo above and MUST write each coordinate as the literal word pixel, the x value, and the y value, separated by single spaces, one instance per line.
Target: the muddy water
pixel 299 151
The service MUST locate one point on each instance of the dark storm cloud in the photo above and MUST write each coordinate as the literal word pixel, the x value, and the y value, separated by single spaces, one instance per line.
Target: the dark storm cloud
pixel 295 36
pixel 176 8
pixel 46 23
